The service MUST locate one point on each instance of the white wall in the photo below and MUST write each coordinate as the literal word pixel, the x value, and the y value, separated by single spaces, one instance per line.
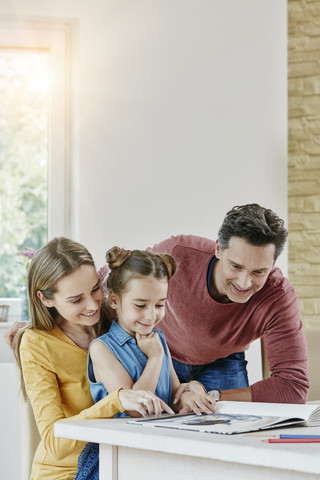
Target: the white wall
pixel 179 109
pixel 182 115
pixel 179 112
pixel 10 451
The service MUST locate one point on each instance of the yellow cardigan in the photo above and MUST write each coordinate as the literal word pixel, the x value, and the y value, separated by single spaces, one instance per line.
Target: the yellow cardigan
pixel 55 374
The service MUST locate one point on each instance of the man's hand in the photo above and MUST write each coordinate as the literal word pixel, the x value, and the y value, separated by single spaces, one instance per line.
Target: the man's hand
pixel 11 331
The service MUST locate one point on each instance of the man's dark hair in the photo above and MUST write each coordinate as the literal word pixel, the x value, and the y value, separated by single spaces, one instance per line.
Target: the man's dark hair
pixel 256 225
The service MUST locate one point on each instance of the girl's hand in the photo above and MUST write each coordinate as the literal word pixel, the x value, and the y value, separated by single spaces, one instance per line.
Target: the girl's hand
pixel 192 386
pixel 150 344
pixel 197 403
pixel 183 387
pixel 143 402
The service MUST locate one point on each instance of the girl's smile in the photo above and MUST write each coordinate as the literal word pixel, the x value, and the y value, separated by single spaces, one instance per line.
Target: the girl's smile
pixel 142 306
pixel 89 314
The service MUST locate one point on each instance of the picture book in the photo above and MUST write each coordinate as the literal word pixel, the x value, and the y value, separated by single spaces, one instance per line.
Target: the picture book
pixel 238 417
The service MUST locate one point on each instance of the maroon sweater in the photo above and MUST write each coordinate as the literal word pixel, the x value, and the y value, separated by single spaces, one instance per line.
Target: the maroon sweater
pixel 199 330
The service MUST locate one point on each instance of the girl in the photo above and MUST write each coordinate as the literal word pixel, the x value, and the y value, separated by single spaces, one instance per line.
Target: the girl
pixel 132 354
pixel 68 311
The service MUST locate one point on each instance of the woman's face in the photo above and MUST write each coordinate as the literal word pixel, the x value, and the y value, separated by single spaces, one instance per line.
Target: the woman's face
pixel 78 298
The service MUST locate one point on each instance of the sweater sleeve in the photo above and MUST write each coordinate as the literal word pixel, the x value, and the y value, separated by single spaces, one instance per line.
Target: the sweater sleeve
pixel 43 388
pixel 286 350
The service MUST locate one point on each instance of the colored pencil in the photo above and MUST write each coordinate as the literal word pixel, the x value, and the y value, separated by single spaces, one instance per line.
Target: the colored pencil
pixel 299 436
pixel 292 440
pixel 260 434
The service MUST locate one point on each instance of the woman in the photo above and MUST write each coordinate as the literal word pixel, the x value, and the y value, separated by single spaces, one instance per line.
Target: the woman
pixel 67 311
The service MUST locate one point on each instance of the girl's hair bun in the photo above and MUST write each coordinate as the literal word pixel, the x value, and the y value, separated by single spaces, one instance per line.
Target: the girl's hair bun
pixel 116 256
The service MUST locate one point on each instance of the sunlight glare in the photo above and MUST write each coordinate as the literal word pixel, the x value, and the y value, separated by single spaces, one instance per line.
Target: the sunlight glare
pixel 40 81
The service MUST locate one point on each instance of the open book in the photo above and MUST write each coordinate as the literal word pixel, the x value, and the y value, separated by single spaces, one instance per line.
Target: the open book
pixel 239 417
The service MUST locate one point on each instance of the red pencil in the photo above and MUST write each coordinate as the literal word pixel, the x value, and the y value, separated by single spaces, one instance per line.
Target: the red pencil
pixel 292 440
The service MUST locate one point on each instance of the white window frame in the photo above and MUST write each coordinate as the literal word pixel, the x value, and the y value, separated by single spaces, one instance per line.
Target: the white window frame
pixel 56 39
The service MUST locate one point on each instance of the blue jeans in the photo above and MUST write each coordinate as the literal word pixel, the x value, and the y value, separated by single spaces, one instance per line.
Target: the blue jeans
pixel 223 374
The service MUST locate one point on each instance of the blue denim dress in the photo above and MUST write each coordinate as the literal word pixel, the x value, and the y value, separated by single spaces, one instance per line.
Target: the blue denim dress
pixel 126 350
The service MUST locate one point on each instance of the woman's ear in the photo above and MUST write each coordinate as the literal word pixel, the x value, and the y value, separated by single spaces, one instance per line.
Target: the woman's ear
pixel 113 299
pixel 44 300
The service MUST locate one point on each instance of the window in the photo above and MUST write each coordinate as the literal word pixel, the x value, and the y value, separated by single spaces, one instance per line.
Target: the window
pixel 34 144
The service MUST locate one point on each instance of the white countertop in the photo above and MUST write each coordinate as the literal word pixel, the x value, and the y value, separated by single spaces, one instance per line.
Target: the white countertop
pixel 246 448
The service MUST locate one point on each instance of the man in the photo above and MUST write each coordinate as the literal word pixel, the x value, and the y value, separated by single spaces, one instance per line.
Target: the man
pixel 226 294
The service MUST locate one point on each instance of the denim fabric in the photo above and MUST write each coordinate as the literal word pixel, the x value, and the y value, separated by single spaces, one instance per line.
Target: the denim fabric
pixel 88 463
pixel 223 374
pixel 125 349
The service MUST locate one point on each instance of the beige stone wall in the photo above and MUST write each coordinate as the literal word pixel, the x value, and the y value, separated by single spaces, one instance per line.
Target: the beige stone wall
pixel 304 155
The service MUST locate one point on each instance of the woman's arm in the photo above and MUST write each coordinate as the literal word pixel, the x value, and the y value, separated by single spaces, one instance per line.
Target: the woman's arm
pixel 54 399
pixel 48 407
pixel 55 376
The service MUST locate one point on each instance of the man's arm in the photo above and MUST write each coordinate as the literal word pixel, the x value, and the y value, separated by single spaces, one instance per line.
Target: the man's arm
pixel 237 395
pixel 287 355
pixel 286 351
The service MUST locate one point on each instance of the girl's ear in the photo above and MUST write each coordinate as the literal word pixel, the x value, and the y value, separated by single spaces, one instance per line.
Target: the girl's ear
pixel 113 299
pixel 44 300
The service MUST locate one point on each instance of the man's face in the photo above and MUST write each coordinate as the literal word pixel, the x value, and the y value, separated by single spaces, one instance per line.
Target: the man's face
pixel 242 269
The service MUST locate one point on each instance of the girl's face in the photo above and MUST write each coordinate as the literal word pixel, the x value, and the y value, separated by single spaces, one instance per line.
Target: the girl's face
pixel 142 306
pixel 78 298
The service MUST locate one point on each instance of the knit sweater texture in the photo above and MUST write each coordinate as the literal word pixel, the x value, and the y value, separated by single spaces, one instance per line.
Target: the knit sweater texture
pixel 200 330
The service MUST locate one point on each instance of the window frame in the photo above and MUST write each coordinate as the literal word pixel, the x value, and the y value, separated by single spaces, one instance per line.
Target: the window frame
pixel 55 38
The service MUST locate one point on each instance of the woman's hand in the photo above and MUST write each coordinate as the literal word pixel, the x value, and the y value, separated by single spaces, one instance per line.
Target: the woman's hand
pixel 150 344
pixel 11 331
pixel 143 402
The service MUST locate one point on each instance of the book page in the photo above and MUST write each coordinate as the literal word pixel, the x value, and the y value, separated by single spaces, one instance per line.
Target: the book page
pixel 238 417
pixel 215 423
pixel 285 410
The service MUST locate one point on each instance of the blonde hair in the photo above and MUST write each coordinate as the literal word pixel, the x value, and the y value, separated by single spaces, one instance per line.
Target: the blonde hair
pixel 126 265
pixel 58 258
